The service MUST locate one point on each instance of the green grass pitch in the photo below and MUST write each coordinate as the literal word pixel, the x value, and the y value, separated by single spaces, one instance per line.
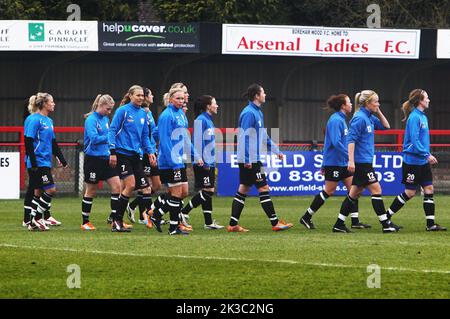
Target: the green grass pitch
pixel 215 264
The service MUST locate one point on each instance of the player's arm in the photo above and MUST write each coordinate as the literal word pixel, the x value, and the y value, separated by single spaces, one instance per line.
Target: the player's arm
pixel 336 132
pixel 381 122
pixel 273 147
pixel 356 127
pixel 30 133
pixel 29 151
pixel 414 131
pixel 58 154
pixel 351 157
pixel 145 141
pixel 113 129
pixel 249 134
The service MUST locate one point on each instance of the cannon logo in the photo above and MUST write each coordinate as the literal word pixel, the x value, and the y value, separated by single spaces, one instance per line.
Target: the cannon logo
pixel 36 32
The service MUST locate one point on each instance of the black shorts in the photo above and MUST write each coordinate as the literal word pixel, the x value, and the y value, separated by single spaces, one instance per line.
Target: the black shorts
pixel 252 176
pixel 336 173
pixel 205 177
pixel 414 175
pixel 41 178
pixel 132 165
pixel 97 169
pixel 364 175
pixel 172 177
pixel 149 170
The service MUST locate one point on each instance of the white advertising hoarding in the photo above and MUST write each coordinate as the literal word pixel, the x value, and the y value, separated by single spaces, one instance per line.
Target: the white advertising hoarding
pixel 10 175
pixel 27 35
pixel 443 44
pixel 320 41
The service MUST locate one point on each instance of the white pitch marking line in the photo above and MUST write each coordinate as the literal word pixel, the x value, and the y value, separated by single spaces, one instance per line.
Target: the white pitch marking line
pixel 280 261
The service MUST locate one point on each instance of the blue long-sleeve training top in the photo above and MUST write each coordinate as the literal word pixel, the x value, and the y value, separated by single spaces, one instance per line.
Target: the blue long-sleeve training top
pixel 96 129
pixel 361 132
pixel 252 135
pixel 173 138
pixel 40 128
pixel 335 151
pixel 416 142
pixel 204 139
pixel 129 132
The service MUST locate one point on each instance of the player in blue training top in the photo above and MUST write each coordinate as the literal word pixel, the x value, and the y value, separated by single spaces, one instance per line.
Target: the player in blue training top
pixel 151 171
pixel 335 160
pixel 417 158
pixel 361 148
pixel 129 141
pixel 204 142
pixel 160 202
pixel 96 165
pixel 252 138
pixel 172 140
pixel 40 144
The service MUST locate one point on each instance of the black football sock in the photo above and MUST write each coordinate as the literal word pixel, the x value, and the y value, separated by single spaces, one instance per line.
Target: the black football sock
pixel 354 213
pixel 346 207
pixel 318 201
pixel 236 208
pixel 114 203
pixel 161 206
pixel 34 208
pixel 174 209
pixel 86 206
pixel 27 205
pixel 207 207
pixel 145 205
pixel 428 207
pixel 397 204
pixel 122 206
pixel 269 209
pixel 380 210
pixel 136 201
pixel 44 203
pixel 159 202
pixel 193 203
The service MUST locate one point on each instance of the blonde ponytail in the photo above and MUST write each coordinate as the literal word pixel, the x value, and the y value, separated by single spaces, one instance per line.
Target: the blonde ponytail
pixel 36 102
pixel 166 99
pixel 94 106
pixel 357 103
pixel 32 107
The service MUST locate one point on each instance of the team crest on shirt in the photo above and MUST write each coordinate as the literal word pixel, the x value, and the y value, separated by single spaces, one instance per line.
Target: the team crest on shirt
pixel 44 125
pixel 107 125
pixel 345 131
pixel 259 122
pixel 180 121
pixel 369 129
pixel 130 118
pixel 142 120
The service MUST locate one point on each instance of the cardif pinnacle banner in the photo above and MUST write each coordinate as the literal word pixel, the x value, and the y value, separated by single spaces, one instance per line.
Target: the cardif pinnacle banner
pixel 149 37
pixel 298 174
pixel 43 35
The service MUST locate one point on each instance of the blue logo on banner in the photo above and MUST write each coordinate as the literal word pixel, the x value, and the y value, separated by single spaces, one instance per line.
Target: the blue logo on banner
pixel 298 174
